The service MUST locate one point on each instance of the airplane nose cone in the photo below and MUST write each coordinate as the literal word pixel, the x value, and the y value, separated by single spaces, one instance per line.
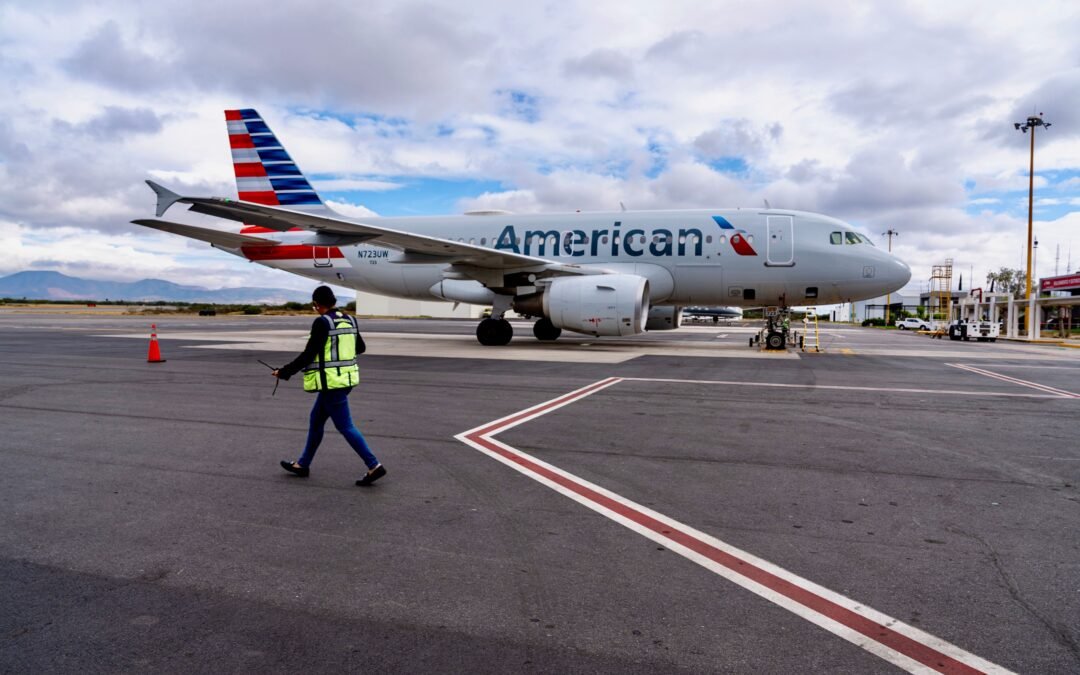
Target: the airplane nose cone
pixel 899 274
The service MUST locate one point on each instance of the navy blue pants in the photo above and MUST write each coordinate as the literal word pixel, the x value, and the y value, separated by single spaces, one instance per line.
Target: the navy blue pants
pixel 334 404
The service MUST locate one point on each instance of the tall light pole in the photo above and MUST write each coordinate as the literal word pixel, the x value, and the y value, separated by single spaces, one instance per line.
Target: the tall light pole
pixel 888 296
pixel 1035 258
pixel 1031 123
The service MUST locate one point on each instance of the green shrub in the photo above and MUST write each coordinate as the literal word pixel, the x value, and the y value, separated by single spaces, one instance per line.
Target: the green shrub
pixel 252 309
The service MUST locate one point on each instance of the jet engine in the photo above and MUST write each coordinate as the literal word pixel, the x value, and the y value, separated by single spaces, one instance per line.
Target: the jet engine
pixel 664 318
pixel 602 304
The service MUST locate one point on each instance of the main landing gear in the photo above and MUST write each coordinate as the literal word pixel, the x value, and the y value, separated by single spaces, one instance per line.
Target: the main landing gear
pixel 546 331
pixel 494 332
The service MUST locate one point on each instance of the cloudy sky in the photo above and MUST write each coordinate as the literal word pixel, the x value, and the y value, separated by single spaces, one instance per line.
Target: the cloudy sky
pixel 888 115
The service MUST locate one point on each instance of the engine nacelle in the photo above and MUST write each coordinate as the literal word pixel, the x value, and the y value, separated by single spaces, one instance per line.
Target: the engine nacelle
pixel 664 318
pixel 601 304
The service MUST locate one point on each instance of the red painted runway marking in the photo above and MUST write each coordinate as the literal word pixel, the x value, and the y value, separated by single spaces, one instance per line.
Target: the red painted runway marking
pixel 1014 380
pixel 900 644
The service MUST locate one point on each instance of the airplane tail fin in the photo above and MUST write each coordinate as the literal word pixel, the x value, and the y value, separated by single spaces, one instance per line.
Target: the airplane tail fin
pixel 265 173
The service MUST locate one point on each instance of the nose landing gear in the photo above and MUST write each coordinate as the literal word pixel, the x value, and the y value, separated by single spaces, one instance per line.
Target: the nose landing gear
pixel 777 331
pixel 776 340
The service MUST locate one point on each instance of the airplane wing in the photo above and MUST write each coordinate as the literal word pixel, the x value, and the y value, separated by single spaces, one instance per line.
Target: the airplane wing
pixel 215 237
pixel 477 262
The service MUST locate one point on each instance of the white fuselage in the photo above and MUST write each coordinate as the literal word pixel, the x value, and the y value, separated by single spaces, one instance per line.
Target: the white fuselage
pixel 731 257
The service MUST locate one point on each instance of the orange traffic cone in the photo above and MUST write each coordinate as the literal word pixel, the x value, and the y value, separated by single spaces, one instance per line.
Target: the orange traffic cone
pixel 155 352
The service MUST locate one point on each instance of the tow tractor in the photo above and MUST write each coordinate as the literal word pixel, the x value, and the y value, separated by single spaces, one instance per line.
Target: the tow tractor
pixel 965 329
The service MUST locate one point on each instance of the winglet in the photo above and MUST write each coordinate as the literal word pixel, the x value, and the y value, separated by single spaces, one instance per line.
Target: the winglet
pixel 165 197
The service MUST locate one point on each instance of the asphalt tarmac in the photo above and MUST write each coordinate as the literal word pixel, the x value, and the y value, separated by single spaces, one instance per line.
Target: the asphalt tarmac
pixel 931 486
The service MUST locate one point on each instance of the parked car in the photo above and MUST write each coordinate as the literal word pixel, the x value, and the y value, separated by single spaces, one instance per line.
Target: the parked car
pixel 912 323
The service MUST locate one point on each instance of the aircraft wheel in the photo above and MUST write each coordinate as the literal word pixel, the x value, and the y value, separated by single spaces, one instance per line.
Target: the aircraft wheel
pixel 774 341
pixel 505 332
pixel 494 332
pixel 544 330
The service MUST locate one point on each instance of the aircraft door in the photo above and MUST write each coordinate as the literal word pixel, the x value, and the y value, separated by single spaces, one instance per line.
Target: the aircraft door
pixel 781 244
pixel 321 256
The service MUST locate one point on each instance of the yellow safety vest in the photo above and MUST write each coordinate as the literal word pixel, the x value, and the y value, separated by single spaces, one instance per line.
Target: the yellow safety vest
pixel 335 367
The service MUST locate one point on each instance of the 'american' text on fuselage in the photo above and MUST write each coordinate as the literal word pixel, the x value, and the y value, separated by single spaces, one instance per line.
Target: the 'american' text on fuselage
pixel 578 243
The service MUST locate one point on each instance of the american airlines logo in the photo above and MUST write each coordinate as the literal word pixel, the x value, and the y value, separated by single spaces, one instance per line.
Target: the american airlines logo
pixel 740 240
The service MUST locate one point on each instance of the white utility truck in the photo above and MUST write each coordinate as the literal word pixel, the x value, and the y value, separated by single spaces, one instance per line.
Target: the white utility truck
pixel 983 331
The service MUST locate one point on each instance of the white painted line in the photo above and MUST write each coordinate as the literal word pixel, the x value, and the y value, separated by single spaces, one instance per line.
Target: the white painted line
pixel 1026 366
pixel 837 387
pixel 1058 393
pixel 898 643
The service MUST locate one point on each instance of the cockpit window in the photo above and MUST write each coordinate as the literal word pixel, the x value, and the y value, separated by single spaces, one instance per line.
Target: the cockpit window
pixel 836 238
pixel 852 238
pixel 866 239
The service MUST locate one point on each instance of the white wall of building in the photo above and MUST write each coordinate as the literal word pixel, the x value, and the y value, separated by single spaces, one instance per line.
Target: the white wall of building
pixel 860 308
pixel 381 305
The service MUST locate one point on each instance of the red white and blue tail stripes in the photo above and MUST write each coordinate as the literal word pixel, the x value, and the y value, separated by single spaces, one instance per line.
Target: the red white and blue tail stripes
pixel 265 173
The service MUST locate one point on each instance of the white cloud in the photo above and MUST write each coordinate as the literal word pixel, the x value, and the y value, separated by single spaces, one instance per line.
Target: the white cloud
pixel 601 63
pixel 344 184
pixel 350 210
pixel 892 114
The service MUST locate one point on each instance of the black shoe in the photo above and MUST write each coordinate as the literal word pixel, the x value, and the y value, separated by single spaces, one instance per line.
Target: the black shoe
pixel 372 476
pixel 301 471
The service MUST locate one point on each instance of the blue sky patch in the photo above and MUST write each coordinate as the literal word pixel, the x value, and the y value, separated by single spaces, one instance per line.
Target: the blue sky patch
pixel 1053 200
pixel 521 105
pixel 419 196
pixel 732 165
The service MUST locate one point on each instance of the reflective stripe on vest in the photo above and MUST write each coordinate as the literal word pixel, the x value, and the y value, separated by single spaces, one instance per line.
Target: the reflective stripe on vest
pixel 335 367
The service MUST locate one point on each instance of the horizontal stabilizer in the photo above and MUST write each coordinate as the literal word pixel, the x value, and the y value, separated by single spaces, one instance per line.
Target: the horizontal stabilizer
pixel 215 237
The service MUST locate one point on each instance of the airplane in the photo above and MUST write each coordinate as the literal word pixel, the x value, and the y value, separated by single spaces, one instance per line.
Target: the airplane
pixel 715 313
pixel 601 273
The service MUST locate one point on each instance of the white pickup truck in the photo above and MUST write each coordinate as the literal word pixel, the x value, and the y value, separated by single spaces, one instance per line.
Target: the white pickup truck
pixel 912 323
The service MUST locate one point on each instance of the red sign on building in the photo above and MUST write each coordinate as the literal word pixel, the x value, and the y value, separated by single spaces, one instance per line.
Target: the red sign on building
pixel 1065 283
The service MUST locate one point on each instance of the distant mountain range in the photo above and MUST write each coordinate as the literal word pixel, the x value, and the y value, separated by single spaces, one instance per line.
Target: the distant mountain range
pixel 57 286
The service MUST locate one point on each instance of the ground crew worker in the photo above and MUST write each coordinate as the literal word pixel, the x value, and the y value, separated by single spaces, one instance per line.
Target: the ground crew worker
pixel 329 366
